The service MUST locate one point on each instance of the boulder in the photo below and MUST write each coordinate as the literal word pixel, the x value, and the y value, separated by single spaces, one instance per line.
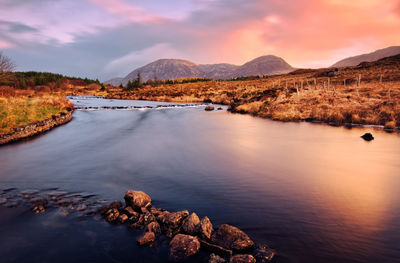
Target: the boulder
pixel 147 239
pixel 191 225
pixel 171 222
pixel 368 137
pixel 206 228
pixel 156 211
pixel 216 259
pixel 242 259
pixel 115 204
pixel 232 238
pixel 137 199
pixel 263 254
pixel 129 211
pixel 148 218
pixel 153 227
pixel 112 215
pixel 209 108
pixel 183 246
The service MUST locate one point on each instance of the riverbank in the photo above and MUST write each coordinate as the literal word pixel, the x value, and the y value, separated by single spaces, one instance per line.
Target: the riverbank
pixel 35 128
pixel 368 94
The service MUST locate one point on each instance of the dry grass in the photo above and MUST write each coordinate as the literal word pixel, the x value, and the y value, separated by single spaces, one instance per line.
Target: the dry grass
pixel 21 110
pixel 302 95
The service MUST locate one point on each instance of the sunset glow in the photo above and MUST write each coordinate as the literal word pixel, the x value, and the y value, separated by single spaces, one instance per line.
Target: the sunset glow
pixel 111 38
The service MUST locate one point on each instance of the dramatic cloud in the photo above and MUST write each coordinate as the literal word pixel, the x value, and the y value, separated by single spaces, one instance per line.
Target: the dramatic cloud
pixel 104 39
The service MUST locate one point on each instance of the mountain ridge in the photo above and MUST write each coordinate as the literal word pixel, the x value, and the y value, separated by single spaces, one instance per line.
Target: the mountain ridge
pixel 368 57
pixel 163 69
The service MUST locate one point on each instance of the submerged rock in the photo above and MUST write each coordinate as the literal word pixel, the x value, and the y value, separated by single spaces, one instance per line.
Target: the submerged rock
pixel 368 137
pixel 263 254
pixel 232 238
pixel 209 108
pixel 242 259
pixel 147 239
pixel 137 199
pixel 113 205
pixel 216 259
pixel 183 246
pixel 122 218
pixel 112 215
pixel 215 248
pixel 38 209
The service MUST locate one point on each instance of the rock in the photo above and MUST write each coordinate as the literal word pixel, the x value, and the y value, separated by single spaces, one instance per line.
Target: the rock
pixel 81 207
pixel 172 222
pixel 368 137
pixel 39 202
pixel 139 223
pixel 137 199
pixel 242 259
pixel 232 238
pixel 206 228
pixel 115 204
pixel 122 218
pixel 38 209
pixel 183 246
pixel 191 225
pixel 148 218
pixel 219 108
pixel 3 201
pixel 263 254
pixel 216 259
pixel 147 239
pixel 209 108
pixel 215 248
pixel 112 215
pixel 156 211
pixel 153 227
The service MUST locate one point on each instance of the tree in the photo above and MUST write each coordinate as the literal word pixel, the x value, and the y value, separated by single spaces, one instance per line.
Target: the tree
pixel 6 68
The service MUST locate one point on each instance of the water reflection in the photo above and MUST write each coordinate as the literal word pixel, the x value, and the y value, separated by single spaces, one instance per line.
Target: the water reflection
pixel 315 193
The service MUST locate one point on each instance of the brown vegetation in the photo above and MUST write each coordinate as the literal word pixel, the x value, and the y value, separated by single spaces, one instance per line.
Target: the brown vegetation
pixel 365 94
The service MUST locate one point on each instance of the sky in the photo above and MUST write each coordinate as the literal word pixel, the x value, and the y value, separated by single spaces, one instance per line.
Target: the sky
pixel 105 39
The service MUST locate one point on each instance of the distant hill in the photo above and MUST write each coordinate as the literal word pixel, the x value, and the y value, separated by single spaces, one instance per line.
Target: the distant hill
pixel 163 69
pixel 376 55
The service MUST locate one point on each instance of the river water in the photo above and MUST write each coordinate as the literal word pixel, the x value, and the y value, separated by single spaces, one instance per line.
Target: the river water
pixel 312 192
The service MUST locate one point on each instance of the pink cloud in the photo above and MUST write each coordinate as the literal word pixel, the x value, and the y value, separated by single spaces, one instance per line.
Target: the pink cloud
pixel 129 12
pixel 314 33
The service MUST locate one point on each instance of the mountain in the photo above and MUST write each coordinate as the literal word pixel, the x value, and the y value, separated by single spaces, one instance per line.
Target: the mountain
pixel 177 68
pixel 266 65
pixel 115 81
pixel 376 55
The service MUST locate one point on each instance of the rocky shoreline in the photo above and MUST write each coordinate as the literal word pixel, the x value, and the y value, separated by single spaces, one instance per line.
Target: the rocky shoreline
pixel 187 232
pixel 35 128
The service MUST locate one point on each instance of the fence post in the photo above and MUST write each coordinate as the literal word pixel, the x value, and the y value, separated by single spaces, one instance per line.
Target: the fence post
pixel 358 84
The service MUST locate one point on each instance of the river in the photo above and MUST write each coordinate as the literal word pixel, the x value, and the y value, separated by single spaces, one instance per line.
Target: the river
pixel 312 192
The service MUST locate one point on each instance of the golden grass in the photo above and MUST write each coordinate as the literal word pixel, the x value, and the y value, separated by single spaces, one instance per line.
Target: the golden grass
pixel 303 95
pixel 17 111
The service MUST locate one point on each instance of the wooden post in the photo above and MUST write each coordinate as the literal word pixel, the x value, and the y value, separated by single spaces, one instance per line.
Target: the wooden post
pixel 297 88
pixel 389 93
pixel 358 84
pixel 344 83
pixel 309 86
pixel 302 85
pixel 380 79
pixel 329 83
pixel 286 89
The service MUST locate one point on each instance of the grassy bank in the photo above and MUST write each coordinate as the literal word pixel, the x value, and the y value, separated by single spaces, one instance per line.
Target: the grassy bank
pixel 18 111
